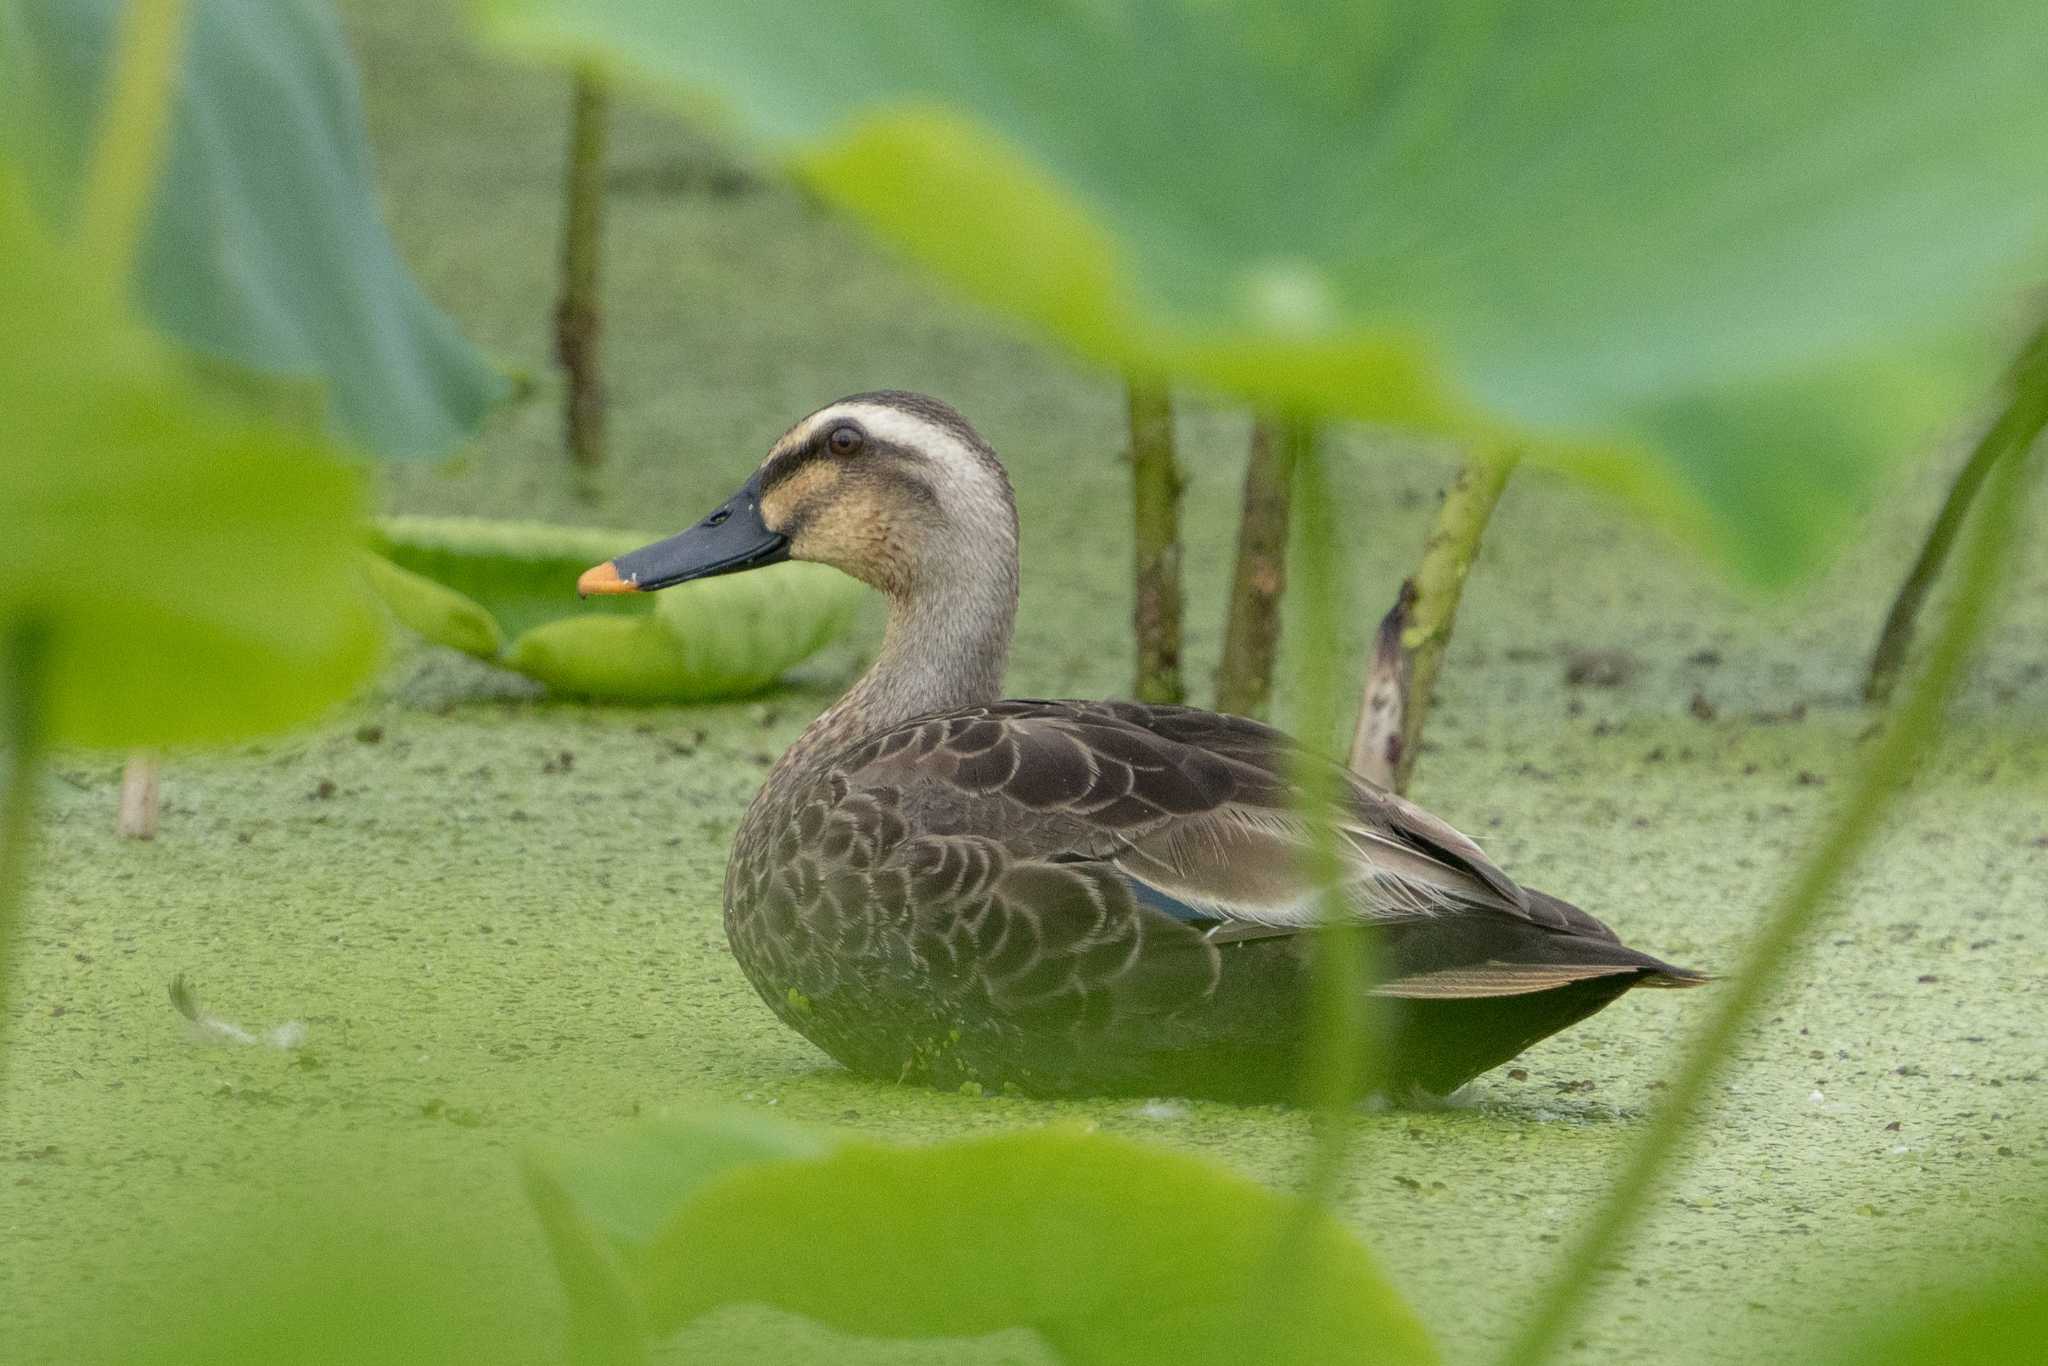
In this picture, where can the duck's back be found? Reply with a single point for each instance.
(1090, 897)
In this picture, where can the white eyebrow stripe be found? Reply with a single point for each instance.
(898, 428)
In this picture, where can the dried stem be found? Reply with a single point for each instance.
(1251, 631)
(137, 818)
(1155, 511)
(2008, 433)
(577, 323)
(24, 665)
(1403, 684)
(1379, 739)
(1905, 743)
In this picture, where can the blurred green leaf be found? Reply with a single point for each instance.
(324, 1278)
(1727, 257)
(198, 572)
(2002, 1323)
(606, 1326)
(473, 584)
(266, 247)
(1112, 1251)
(632, 1184)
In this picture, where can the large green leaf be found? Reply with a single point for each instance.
(1113, 1251)
(1730, 256)
(198, 572)
(266, 249)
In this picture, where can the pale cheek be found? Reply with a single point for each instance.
(869, 549)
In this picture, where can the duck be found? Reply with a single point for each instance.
(937, 884)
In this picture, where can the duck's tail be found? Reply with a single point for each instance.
(1573, 921)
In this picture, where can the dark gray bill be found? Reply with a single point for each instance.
(731, 539)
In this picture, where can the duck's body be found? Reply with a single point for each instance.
(1062, 897)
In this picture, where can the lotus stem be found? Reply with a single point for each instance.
(137, 817)
(24, 668)
(2008, 433)
(577, 313)
(125, 168)
(1335, 1063)
(1400, 682)
(1251, 632)
(1155, 509)
(1905, 743)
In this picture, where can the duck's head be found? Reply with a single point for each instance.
(893, 488)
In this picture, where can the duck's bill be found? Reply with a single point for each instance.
(731, 539)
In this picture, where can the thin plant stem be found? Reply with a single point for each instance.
(577, 313)
(1155, 517)
(1432, 598)
(122, 177)
(1251, 628)
(24, 662)
(1338, 1015)
(2013, 429)
(1910, 733)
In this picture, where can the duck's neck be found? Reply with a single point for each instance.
(944, 648)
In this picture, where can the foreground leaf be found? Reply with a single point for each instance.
(325, 1277)
(197, 572)
(267, 248)
(2001, 1323)
(1112, 1251)
(1727, 257)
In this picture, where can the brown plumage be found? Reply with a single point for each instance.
(1079, 897)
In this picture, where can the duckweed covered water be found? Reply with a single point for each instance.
(497, 917)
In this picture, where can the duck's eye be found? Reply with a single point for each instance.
(845, 440)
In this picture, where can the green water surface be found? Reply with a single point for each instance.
(497, 917)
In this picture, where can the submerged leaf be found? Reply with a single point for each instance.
(1727, 257)
(198, 572)
(1114, 1252)
(522, 573)
(266, 248)
(744, 630)
(626, 659)
(448, 578)
(434, 610)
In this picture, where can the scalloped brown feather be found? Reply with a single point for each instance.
(1067, 897)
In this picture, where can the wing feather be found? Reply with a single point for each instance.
(1201, 807)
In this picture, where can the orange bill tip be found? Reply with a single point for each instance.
(603, 578)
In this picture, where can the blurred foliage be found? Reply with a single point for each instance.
(476, 585)
(1728, 258)
(197, 571)
(2003, 1322)
(266, 248)
(1112, 1251)
(324, 1276)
